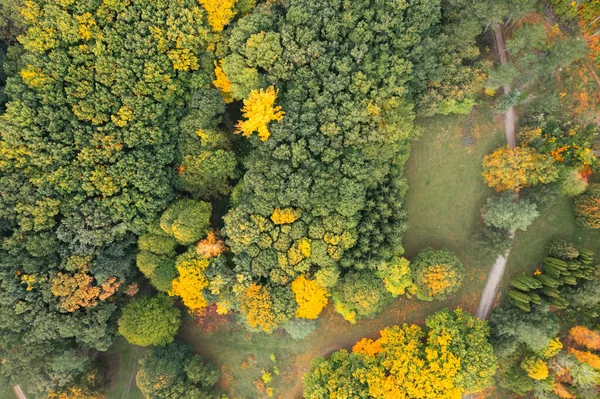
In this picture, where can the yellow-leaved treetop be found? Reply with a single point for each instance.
(310, 296)
(255, 304)
(222, 83)
(191, 282)
(220, 12)
(439, 278)
(259, 109)
(285, 216)
(403, 371)
(536, 368)
(509, 169)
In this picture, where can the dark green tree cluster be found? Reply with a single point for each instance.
(172, 371)
(527, 333)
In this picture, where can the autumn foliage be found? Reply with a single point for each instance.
(311, 297)
(210, 246)
(191, 282)
(79, 291)
(535, 368)
(220, 12)
(513, 169)
(255, 304)
(586, 337)
(259, 109)
(403, 364)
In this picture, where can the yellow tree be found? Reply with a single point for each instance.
(220, 12)
(191, 282)
(536, 368)
(255, 304)
(311, 297)
(513, 169)
(259, 109)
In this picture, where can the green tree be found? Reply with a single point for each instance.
(172, 371)
(208, 174)
(360, 294)
(187, 220)
(506, 211)
(150, 321)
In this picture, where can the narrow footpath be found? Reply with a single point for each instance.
(497, 270)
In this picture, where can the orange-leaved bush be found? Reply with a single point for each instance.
(210, 246)
(513, 169)
(310, 296)
(586, 357)
(259, 109)
(586, 337)
(78, 291)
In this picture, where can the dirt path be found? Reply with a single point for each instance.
(510, 118)
(19, 392)
(491, 286)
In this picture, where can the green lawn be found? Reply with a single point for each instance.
(122, 360)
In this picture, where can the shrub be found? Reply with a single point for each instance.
(437, 273)
(168, 371)
(543, 195)
(587, 208)
(514, 169)
(507, 212)
(397, 276)
(572, 183)
(299, 328)
(150, 321)
(560, 248)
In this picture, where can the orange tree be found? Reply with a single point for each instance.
(514, 169)
(402, 364)
(437, 273)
